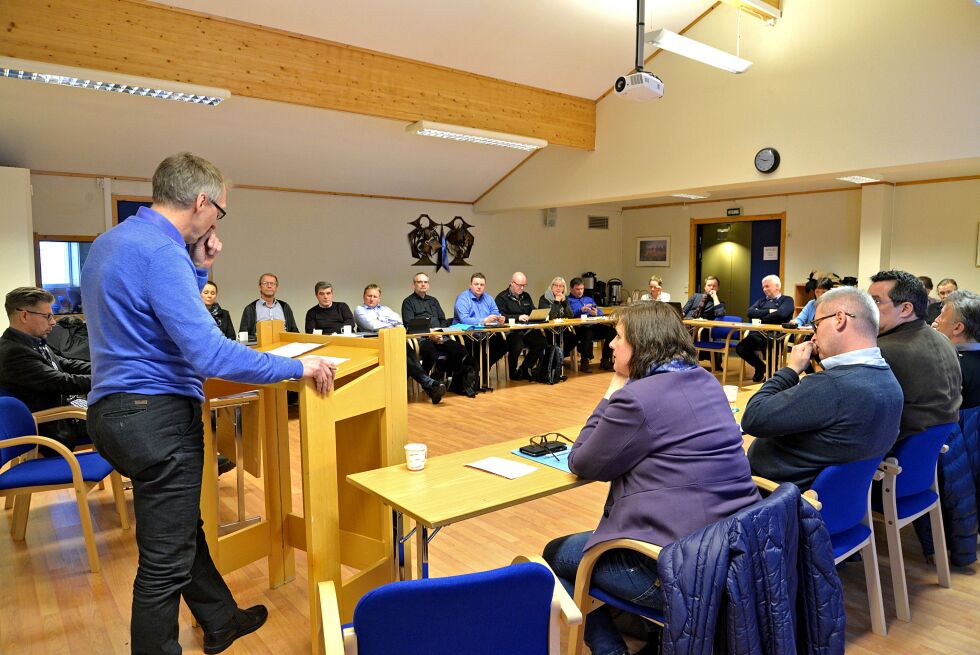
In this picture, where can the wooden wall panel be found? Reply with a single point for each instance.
(140, 38)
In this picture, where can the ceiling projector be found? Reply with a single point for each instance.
(639, 86)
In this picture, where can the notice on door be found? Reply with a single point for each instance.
(770, 253)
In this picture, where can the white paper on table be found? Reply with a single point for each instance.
(503, 467)
(336, 361)
(294, 349)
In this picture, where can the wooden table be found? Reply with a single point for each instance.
(776, 343)
(447, 491)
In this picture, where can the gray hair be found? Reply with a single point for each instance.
(24, 297)
(321, 285)
(180, 178)
(773, 278)
(966, 304)
(856, 301)
(559, 279)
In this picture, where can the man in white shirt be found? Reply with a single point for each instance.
(372, 316)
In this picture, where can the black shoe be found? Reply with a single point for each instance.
(224, 465)
(436, 392)
(759, 375)
(584, 366)
(606, 365)
(243, 623)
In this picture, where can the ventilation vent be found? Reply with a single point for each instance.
(598, 222)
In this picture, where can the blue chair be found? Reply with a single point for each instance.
(587, 596)
(27, 474)
(509, 611)
(910, 489)
(844, 491)
(720, 340)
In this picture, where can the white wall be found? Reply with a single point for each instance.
(17, 244)
(822, 232)
(836, 86)
(935, 231)
(355, 241)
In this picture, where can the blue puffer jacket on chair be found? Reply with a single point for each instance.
(761, 582)
(959, 491)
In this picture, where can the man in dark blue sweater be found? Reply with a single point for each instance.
(848, 412)
(772, 309)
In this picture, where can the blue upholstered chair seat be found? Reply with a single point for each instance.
(47, 471)
(709, 345)
(850, 538)
(625, 605)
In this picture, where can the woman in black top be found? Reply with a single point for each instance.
(222, 318)
(556, 298)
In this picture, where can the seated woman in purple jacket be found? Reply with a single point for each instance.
(665, 439)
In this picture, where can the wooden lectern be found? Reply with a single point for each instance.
(359, 426)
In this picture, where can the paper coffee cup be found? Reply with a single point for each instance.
(243, 337)
(756, 321)
(317, 331)
(415, 456)
(512, 321)
(347, 330)
(731, 392)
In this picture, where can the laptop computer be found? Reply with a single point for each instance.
(677, 307)
(418, 325)
(539, 315)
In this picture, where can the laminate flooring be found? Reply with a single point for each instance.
(50, 603)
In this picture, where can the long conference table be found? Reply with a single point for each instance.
(775, 343)
(448, 491)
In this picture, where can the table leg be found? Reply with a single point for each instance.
(398, 544)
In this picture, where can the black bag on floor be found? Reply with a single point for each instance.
(549, 367)
(465, 381)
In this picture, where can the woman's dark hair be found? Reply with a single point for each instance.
(908, 288)
(824, 283)
(211, 282)
(656, 334)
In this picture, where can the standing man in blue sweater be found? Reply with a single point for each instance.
(153, 343)
(848, 412)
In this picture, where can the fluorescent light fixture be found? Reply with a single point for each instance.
(691, 196)
(473, 135)
(858, 179)
(759, 8)
(681, 45)
(82, 78)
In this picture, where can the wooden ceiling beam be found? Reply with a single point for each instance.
(135, 37)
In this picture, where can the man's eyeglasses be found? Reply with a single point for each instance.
(47, 317)
(221, 210)
(815, 322)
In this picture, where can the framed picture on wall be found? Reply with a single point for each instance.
(653, 251)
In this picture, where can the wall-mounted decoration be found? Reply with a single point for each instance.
(653, 251)
(440, 244)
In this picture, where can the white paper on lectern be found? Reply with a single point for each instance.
(503, 467)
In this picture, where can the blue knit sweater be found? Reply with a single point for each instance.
(149, 332)
(844, 414)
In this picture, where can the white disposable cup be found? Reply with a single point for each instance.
(347, 330)
(731, 392)
(512, 321)
(317, 331)
(756, 321)
(415, 456)
(243, 337)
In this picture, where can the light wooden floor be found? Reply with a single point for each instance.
(51, 604)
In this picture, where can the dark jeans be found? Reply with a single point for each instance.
(747, 348)
(587, 334)
(158, 442)
(451, 351)
(517, 341)
(415, 370)
(623, 573)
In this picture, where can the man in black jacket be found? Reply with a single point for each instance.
(31, 372)
(421, 305)
(266, 307)
(772, 308)
(516, 304)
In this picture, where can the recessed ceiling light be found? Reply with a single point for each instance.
(474, 135)
(858, 179)
(691, 196)
(81, 78)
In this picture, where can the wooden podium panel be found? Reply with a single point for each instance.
(359, 426)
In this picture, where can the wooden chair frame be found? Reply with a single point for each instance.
(889, 470)
(22, 495)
